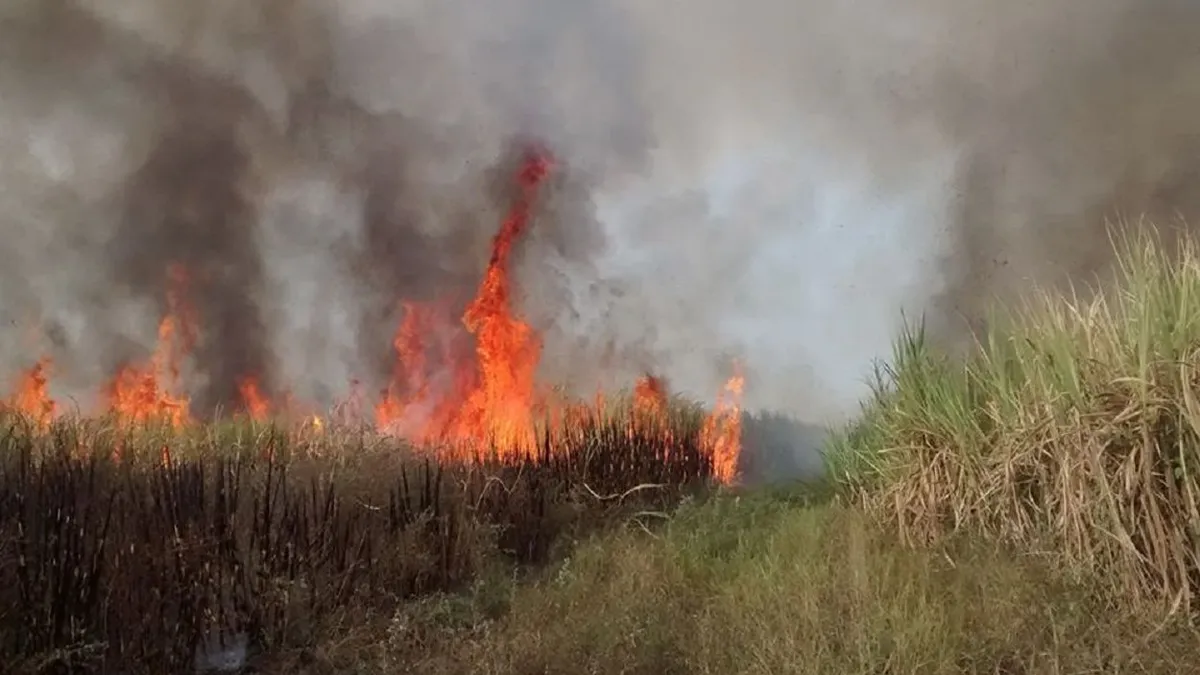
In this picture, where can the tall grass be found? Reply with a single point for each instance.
(1071, 431)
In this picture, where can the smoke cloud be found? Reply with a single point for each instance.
(771, 183)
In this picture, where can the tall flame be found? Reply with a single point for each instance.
(721, 434)
(493, 398)
(143, 392)
(500, 408)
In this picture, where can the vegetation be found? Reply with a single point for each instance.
(768, 584)
(1031, 508)
(1073, 431)
(130, 548)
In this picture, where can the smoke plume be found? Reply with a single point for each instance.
(769, 182)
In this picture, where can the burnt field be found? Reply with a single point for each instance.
(124, 549)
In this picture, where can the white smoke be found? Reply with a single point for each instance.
(770, 183)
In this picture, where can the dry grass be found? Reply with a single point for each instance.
(1072, 432)
(121, 549)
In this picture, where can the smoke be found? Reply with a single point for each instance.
(771, 183)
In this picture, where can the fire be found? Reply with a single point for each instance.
(500, 408)
(139, 393)
(649, 396)
(409, 380)
(31, 396)
(722, 431)
(439, 394)
(256, 404)
(495, 396)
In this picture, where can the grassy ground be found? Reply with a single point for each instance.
(767, 584)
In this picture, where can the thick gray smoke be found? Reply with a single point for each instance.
(769, 181)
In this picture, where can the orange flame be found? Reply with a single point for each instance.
(721, 434)
(493, 399)
(139, 393)
(434, 395)
(501, 407)
(409, 380)
(649, 396)
(258, 407)
(31, 396)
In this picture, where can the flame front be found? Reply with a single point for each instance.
(438, 394)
